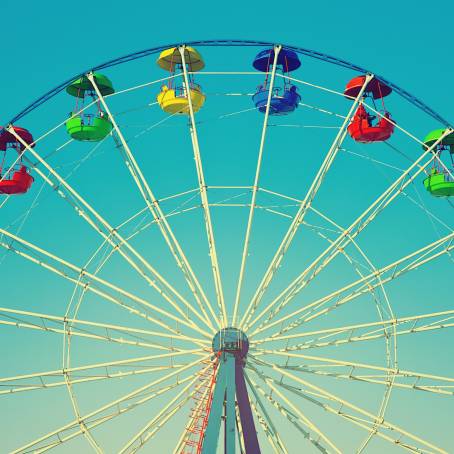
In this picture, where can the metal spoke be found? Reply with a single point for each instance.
(181, 440)
(383, 423)
(296, 413)
(204, 195)
(271, 429)
(87, 335)
(239, 429)
(109, 234)
(305, 205)
(288, 414)
(90, 378)
(380, 333)
(266, 377)
(104, 419)
(80, 273)
(80, 420)
(361, 422)
(92, 103)
(338, 93)
(383, 324)
(104, 367)
(351, 232)
(265, 428)
(142, 436)
(165, 420)
(417, 378)
(361, 286)
(106, 327)
(255, 186)
(159, 217)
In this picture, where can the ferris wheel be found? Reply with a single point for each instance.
(227, 246)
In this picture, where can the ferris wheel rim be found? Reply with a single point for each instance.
(232, 43)
(65, 330)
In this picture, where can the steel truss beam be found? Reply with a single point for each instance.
(84, 279)
(298, 415)
(371, 419)
(346, 237)
(304, 207)
(80, 421)
(145, 434)
(359, 287)
(107, 232)
(255, 186)
(102, 370)
(351, 371)
(159, 217)
(204, 195)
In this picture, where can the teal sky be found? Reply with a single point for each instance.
(48, 42)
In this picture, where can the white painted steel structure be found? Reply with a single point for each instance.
(164, 334)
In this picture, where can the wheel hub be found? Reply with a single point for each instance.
(231, 340)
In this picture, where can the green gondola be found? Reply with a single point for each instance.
(80, 87)
(439, 182)
(89, 127)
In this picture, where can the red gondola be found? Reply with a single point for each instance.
(361, 128)
(374, 89)
(19, 183)
(16, 179)
(365, 128)
(8, 140)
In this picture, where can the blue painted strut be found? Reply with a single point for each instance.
(226, 371)
(251, 443)
(230, 390)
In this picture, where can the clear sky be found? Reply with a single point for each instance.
(47, 42)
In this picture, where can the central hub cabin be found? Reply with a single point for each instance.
(231, 340)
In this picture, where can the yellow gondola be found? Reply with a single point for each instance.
(175, 94)
(175, 101)
(169, 58)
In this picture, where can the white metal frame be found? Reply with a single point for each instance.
(176, 342)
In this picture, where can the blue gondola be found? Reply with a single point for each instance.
(287, 59)
(281, 104)
(285, 98)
